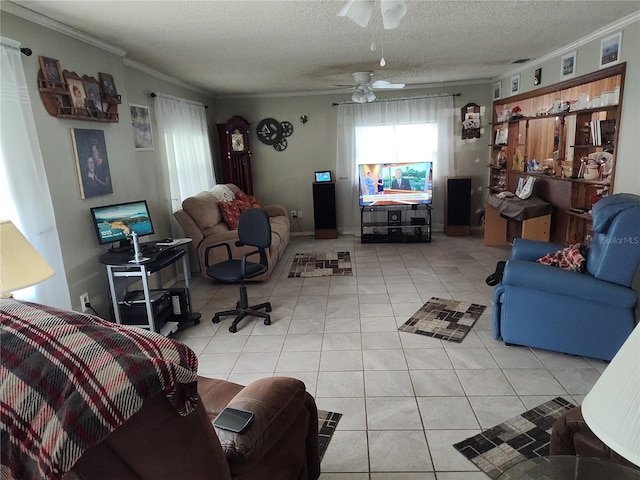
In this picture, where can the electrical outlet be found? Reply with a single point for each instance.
(299, 213)
(294, 214)
(84, 300)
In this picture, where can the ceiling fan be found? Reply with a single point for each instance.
(365, 87)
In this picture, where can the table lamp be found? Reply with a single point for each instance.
(21, 266)
(612, 407)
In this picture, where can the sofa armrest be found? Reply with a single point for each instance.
(276, 403)
(554, 280)
(532, 250)
(189, 227)
(276, 210)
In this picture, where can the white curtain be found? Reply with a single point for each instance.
(436, 109)
(187, 152)
(24, 192)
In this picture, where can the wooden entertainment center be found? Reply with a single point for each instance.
(559, 126)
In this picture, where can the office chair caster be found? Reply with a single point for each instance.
(216, 318)
(267, 321)
(233, 329)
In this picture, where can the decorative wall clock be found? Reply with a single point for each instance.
(274, 133)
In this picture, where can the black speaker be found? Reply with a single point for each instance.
(324, 210)
(457, 211)
(394, 217)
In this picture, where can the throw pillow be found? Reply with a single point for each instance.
(573, 258)
(231, 213)
(252, 201)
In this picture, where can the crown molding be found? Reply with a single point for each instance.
(39, 19)
(146, 69)
(611, 28)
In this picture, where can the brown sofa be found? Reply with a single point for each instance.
(158, 444)
(201, 220)
(572, 436)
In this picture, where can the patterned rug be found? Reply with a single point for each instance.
(321, 264)
(525, 436)
(327, 423)
(444, 319)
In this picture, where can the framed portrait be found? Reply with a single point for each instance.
(107, 84)
(497, 90)
(515, 84)
(51, 70)
(610, 50)
(568, 66)
(141, 123)
(76, 90)
(92, 162)
(537, 77)
(93, 100)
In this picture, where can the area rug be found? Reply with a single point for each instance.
(327, 423)
(444, 319)
(525, 436)
(318, 264)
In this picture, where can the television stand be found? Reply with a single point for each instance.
(395, 223)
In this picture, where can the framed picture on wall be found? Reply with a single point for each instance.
(610, 50)
(568, 66)
(107, 85)
(515, 84)
(51, 70)
(78, 95)
(141, 123)
(92, 163)
(497, 90)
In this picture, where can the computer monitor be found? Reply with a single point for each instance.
(115, 223)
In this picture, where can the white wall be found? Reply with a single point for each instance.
(286, 177)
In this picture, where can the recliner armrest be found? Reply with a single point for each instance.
(554, 280)
(532, 250)
(276, 403)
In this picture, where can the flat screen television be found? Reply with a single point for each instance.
(114, 223)
(396, 183)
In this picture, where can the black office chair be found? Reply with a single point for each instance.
(254, 230)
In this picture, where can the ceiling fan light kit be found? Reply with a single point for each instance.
(359, 12)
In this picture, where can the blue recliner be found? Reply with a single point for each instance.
(589, 313)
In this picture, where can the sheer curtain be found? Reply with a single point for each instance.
(24, 192)
(437, 110)
(187, 152)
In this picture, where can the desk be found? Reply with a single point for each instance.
(119, 266)
(565, 467)
(533, 213)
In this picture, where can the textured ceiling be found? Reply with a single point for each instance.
(243, 47)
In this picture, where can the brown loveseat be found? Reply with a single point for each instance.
(158, 444)
(202, 221)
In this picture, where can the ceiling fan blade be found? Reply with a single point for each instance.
(380, 84)
(358, 11)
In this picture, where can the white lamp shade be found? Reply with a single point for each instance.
(612, 407)
(358, 11)
(21, 266)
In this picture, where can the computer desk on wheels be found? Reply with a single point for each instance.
(119, 266)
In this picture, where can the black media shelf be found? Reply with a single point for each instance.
(395, 223)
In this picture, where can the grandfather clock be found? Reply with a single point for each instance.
(235, 153)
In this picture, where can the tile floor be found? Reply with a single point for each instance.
(405, 398)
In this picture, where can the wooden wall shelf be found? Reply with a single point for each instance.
(57, 101)
(564, 137)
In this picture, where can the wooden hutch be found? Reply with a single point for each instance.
(559, 126)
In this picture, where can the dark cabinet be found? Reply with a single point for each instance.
(324, 210)
(235, 153)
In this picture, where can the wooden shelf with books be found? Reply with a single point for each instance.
(571, 127)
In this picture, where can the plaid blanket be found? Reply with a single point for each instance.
(573, 258)
(68, 380)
